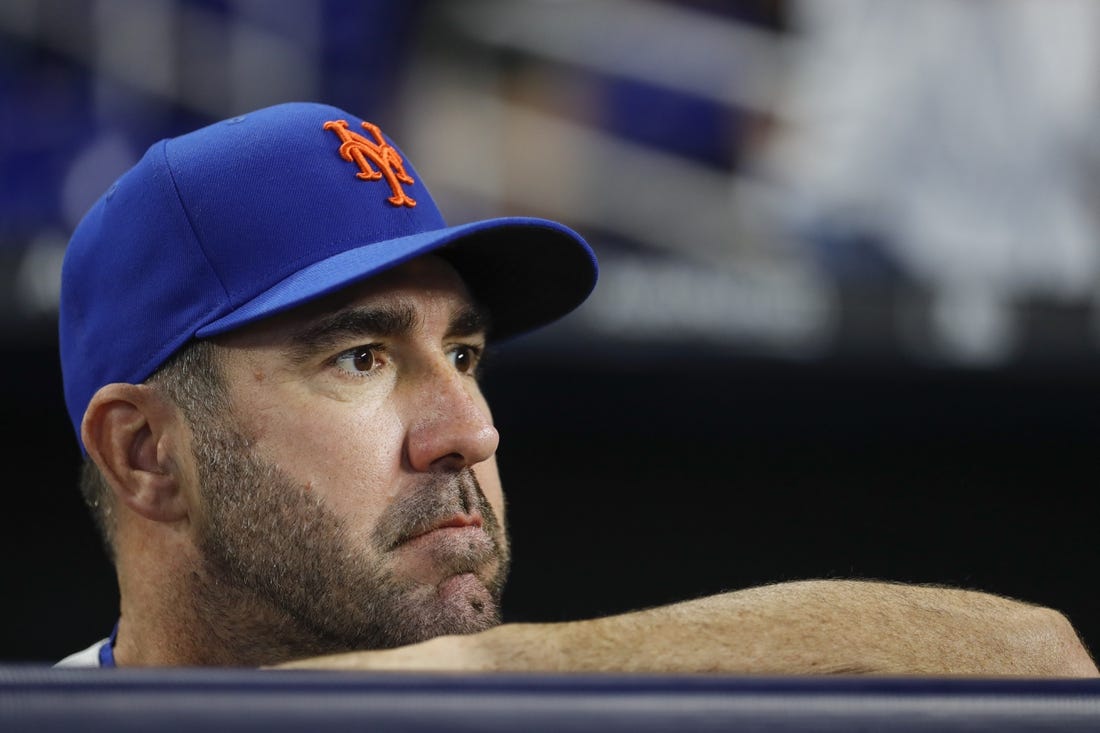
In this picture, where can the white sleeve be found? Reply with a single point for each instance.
(87, 658)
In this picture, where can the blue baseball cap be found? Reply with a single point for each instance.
(253, 215)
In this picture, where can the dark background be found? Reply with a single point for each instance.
(641, 467)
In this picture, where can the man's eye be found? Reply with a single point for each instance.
(360, 360)
(465, 358)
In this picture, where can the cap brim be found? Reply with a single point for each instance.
(526, 271)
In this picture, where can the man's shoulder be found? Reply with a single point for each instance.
(85, 658)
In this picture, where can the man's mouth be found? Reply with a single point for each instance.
(456, 544)
(460, 520)
(457, 522)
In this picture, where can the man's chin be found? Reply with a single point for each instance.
(465, 598)
(457, 604)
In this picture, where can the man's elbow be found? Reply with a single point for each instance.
(1052, 646)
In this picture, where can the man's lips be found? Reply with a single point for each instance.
(456, 521)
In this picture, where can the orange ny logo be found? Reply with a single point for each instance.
(357, 149)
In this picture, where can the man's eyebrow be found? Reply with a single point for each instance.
(334, 329)
(469, 321)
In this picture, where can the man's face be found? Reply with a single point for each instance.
(353, 493)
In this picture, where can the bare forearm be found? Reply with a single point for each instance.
(806, 627)
(846, 627)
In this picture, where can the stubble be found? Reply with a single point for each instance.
(283, 577)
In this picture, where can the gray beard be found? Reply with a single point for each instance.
(282, 577)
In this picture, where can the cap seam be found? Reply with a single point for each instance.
(152, 355)
(190, 221)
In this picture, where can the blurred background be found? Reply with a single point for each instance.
(846, 324)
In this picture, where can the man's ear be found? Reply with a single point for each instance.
(132, 432)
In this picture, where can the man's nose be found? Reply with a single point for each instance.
(450, 426)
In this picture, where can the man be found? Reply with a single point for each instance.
(270, 344)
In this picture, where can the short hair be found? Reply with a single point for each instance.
(193, 380)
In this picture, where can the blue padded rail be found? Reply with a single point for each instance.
(37, 698)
